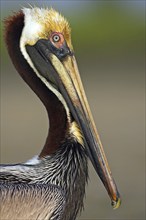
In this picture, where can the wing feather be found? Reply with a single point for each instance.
(31, 201)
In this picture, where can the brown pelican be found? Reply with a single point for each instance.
(52, 185)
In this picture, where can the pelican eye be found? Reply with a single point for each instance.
(56, 38)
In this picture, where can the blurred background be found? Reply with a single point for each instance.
(109, 44)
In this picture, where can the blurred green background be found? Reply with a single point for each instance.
(109, 43)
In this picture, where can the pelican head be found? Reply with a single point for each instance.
(45, 45)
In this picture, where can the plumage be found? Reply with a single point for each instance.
(21, 198)
(66, 169)
(51, 186)
(44, 22)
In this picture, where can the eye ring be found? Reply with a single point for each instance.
(56, 38)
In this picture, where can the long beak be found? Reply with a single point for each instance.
(73, 92)
(65, 76)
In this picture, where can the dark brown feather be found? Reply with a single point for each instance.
(57, 115)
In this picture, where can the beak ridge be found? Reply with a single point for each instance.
(63, 74)
(78, 105)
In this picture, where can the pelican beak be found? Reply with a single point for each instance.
(62, 72)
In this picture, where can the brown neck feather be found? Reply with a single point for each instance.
(57, 114)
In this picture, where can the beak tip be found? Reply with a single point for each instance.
(116, 204)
